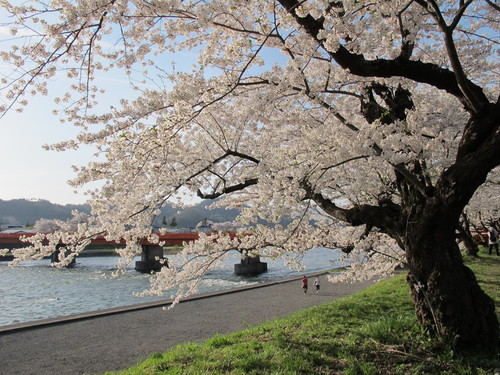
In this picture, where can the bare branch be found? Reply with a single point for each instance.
(229, 189)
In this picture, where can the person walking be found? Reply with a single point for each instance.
(492, 240)
(317, 284)
(304, 284)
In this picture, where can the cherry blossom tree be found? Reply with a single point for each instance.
(370, 123)
(483, 208)
(479, 215)
(53, 225)
(46, 226)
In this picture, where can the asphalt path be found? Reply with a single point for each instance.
(116, 339)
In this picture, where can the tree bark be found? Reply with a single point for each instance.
(448, 300)
(465, 235)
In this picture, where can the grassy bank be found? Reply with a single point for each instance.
(373, 332)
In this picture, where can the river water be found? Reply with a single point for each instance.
(35, 290)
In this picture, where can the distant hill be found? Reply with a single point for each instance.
(188, 217)
(24, 211)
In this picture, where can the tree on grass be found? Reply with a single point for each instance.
(372, 123)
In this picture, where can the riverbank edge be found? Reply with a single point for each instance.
(94, 253)
(17, 327)
(84, 254)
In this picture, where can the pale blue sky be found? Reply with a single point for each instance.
(27, 170)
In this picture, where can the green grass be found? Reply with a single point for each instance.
(370, 333)
(487, 271)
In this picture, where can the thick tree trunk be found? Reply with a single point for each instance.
(447, 297)
(465, 235)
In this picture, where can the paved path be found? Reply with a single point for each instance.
(121, 338)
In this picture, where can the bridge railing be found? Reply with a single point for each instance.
(170, 239)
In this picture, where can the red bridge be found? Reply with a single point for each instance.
(170, 239)
(151, 257)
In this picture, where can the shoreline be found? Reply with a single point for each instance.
(90, 253)
(117, 339)
(142, 306)
(84, 254)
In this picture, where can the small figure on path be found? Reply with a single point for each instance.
(317, 283)
(492, 240)
(304, 284)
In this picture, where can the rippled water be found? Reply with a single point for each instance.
(34, 290)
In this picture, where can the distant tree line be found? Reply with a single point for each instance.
(28, 212)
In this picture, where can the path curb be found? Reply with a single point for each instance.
(12, 328)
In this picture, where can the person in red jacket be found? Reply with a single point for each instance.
(304, 284)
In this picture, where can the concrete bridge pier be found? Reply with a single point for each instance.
(54, 258)
(151, 259)
(250, 266)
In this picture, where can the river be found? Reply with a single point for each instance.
(34, 290)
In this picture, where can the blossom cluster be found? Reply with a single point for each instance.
(267, 117)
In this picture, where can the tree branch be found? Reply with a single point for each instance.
(229, 189)
(384, 218)
(491, 3)
(474, 101)
(416, 71)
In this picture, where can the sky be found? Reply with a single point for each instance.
(27, 170)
